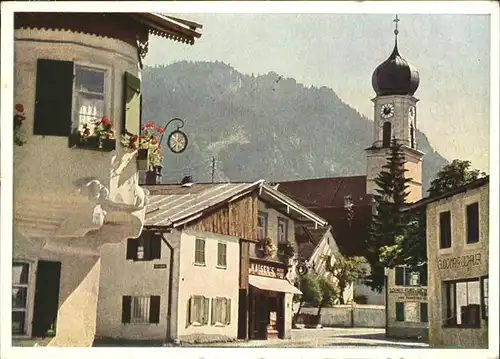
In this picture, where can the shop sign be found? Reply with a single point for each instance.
(465, 261)
(266, 270)
(409, 293)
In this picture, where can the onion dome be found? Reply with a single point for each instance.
(395, 76)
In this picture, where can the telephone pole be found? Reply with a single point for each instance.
(213, 168)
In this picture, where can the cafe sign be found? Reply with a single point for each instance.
(266, 270)
(409, 293)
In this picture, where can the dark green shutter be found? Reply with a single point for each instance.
(156, 246)
(473, 223)
(53, 98)
(126, 308)
(445, 229)
(423, 313)
(154, 309)
(132, 248)
(423, 276)
(147, 245)
(228, 311)
(400, 312)
(400, 275)
(132, 110)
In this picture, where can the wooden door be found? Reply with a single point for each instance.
(46, 298)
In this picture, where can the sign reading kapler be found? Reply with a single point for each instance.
(266, 270)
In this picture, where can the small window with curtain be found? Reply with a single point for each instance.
(445, 229)
(221, 255)
(199, 251)
(145, 248)
(473, 223)
(141, 309)
(262, 225)
(282, 230)
(221, 311)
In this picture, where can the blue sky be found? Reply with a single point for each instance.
(451, 52)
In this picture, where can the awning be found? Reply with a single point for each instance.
(273, 284)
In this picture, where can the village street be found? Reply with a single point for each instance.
(330, 337)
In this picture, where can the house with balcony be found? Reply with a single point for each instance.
(76, 91)
(210, 265)
(457, 237)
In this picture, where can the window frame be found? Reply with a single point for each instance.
(264, 215)
(219, 264)
(467, 231)
(450, 239)
(198, 250)
(26, 285)
(451, 310)
(284, 222)
(406, 283)
(223, 317)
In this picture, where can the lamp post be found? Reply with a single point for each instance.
(177, 142)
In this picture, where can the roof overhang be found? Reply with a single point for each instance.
(289, 206)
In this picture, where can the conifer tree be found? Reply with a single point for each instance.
(388, 222)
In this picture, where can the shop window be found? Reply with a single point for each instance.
(141, 309)
(199, 251)
(20, 272)
(424, 315)
(282, 230)
(198, 307)
(145, 248)
(400, 312)
(463, 303)
(221, 255)
(473, 223)
(445, 229)
(262, 225)
(484, 297)
(221, 311)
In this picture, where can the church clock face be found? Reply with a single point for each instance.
(387, 110)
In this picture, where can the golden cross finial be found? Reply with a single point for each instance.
(396, 20)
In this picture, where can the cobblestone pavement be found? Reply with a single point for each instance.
(330, 337)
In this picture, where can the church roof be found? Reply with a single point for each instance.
(326, 197)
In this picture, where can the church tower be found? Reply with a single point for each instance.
(395, 115)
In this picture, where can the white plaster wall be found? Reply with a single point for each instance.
(438, 334)
(78, 290)
(60, 166)
(209, 281)
(120, 277)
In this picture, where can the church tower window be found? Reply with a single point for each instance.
(386, 135)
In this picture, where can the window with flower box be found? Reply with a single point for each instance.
(262, 225)
(73, 100)
(282, 230)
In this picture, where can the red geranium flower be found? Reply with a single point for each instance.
(19, 108)
(159, 129)
(105, 121)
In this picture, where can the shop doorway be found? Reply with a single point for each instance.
(267, 319)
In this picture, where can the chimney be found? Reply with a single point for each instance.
(154, 176)
(187, 181)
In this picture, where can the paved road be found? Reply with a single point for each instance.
(332, 337)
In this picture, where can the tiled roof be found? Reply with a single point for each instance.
(326, 196)
(169, 205)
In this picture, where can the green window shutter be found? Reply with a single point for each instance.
(147, 245)
(228, 311)
(154, 309)
(132, 117)
(206, 308)
(53, 98)
(423, 313)
(473, 223)
(192, 314)
(131, 249)
(400, 274)
(400, 312)
(156, 246)
(126, 308)
(445, 229)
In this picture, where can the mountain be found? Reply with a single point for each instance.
(256, 127)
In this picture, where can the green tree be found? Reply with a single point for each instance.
(345, 269)
(453, 175)
(389, 222)
(329, 292)
(312, 292)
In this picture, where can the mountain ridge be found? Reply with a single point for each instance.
(265, 126)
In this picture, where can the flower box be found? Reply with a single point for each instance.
(93, 143)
